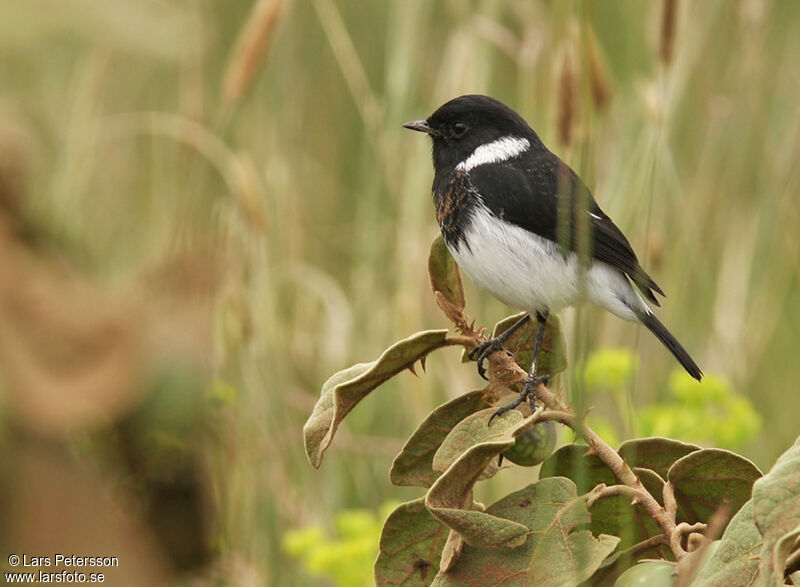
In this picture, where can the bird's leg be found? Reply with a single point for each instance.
(532, 382)
(483, 350)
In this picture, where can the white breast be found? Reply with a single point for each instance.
(531, 273)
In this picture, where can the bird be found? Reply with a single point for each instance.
(524, 227)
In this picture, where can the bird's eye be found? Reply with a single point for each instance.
(459, 129)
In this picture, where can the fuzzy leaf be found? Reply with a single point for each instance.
(451, 551)
(343, 390)
(467, 433)
(735, 561)
(787, 545)
(450, 496)
(444, 274)
(776, 508)
(707, 479)
(613, 515)
(413, 466)
(655, 453)
(557, 551)
(586, 470)
(411, 545)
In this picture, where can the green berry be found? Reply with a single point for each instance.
(648, 574)
(534, 445)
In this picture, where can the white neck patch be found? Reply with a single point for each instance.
(495, 152)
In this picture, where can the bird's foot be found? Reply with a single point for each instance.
(481, 352)
(528, 393)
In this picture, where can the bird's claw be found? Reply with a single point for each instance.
(528, 392)
(481, 352)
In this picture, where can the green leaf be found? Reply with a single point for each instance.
(444, 274)
(572, 461)
(450, 496)
(735, 561)
(557, 551)
(612, 515)
(776, 507)
(553, 354)
(652, 481)
(787, 545)
(469, 432)
(655, 453)
(588, 471)
(411, 545)
(707, 479)
(343, 390)
(414, 464)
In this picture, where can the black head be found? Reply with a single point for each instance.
(467, 122)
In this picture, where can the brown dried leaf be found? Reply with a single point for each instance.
(444, 274)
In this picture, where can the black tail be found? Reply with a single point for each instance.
(669, 341)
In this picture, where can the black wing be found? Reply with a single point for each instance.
(530, 194)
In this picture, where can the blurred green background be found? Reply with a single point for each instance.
(224, 191)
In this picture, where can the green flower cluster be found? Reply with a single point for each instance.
(708, 412)
(346, 558)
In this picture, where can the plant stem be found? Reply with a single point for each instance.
(644, 545)
(504, 368)
(603, 491)
(504, 372)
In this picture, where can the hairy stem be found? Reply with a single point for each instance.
(504, 368)
(644, 545)
(603, 491)
(505, 372)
